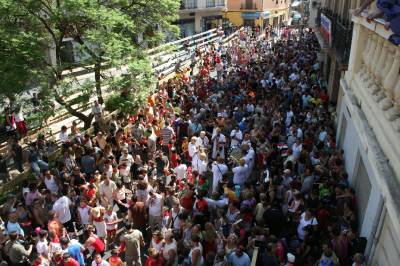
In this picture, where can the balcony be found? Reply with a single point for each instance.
(341, 31)
(202, 5)
(248, 6)
(342, 35)
(373, 79)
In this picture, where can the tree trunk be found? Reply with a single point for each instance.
(86, 119)
(97, 77)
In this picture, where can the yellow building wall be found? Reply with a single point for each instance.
(235, 17)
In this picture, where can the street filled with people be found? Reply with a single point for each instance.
(233, 159)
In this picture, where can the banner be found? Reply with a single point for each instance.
(326, 28)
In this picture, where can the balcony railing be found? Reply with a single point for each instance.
(375, 72)
(188, 4)
(341, 31)
(342, 36)
(202, 4)
(248, 6)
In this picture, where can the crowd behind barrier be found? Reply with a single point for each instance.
(234, 156)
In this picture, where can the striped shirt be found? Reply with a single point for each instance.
(167, 133)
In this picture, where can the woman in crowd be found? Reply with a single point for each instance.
(265, 119)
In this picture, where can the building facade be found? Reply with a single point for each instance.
(258, 12)
(196, 16)
(368, 111)
(331, 19)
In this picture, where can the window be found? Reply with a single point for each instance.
(191, 4)
(220, 2)
(250, 4)
(363, 189)
(210, 3)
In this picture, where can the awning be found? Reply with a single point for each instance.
(265, 14)
(296, 4)
(250, 15)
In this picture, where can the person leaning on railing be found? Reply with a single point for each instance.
(389, 10)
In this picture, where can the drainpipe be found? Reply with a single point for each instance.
(376, 231)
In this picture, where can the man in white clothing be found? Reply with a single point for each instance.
(202, 141)
(155, 205)
(240, 172)
(218, 139)
(218, 170)
(236, 137)
(62, 209)
(192, 148)
(249, 158)
(180, 170)
(106, 189)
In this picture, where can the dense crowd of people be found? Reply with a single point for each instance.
(238, 157)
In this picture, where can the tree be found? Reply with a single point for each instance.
(106, 30)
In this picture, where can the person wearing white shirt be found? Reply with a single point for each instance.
(98, 261)
(106, 189)
(250, 108)
(247, 139)
(296, 149)
(192, 149)
(236, 137)
(249, 158)
(126, 158)
(62, 209)
(42, 246)
(202, 141)
(50, 182)
(199, 162)
(63, 135)
(323, 135)
(219, 141)
(218, 170)
(240, 172)
(180, 170)
(155, 205)
(289, 116)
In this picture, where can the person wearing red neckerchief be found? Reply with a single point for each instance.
(154, 258)
(115, 260)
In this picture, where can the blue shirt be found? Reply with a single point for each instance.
(75, 251)
(243, 260)
(14, 227)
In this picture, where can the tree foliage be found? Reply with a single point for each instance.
(107, 30)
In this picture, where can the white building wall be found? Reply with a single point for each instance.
(355, 149)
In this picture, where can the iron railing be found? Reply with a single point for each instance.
(188, 4)
(248, 6)
(342, 32)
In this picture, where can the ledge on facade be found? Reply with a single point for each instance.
(376, 25)
(375, 80)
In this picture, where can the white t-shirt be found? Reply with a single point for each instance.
(63, 137)
(218, 171)
(192, 149)
(108, 191)
(61, 208)
(180, 171)
(109, 218)
(42, 247)
(202, 142)
(239, 174)
(296, 148)
(102, 263)
(155, 205)
(303, 223)
(51, 184)
(84, 213)
(237, 137)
